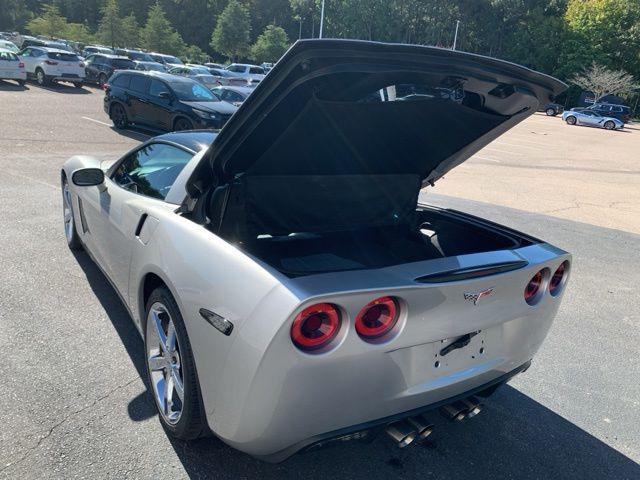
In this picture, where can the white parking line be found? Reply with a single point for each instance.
(109, 125)
(97, 121)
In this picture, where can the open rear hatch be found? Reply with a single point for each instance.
(336, 142)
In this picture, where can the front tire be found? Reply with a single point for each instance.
(609, 125)
(551, 112)
(171, 368)
(21, 82)
(70, 231)
(571, 120)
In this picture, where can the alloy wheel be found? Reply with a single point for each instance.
(183, 124)
(40, 77)
(609, 125)
(163, 361)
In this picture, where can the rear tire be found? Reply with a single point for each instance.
(70, 231)
(609, 125)
(551, 112)
(41, 78)
(189, 423)
(571, 120)
(182, 124)
(21, 82)
(118, 116)
(77, 84)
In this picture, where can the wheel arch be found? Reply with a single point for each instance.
(149, 281)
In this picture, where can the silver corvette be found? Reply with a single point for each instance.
(289, 289)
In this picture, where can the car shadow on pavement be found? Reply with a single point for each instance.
(134, 133)
(65, 88)
(8, 86)
(514, 437)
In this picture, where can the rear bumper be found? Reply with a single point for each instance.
(67, 77)
(320, 440)
(13, 76)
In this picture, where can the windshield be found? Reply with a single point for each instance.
(190, 91)
(59, 46)
(158, 67)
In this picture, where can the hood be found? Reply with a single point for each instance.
(338, 112)
(217, 107)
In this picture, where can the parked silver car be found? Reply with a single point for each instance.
(289, 288)
(253, 73)
(592, 119)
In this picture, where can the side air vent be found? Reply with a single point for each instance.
(472, 272)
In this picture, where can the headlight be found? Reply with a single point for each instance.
(203, 114)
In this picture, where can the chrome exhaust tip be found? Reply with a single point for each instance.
(422, 426)
(456, 411)
(402, 433)
(473, 406)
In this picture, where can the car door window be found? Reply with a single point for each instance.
(233, 96)
(121, 80)
(26, 52)
(151, 170)
(256, 71)
(139, 84)
(157, 88)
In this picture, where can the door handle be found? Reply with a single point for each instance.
(142, 100)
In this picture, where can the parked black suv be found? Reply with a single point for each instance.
(621, 112)
(163, 101)
(99, 67)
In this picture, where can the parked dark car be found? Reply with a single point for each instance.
(98, 68)
(621, 112)
(551, 109)
(163, 101)
(135, 55)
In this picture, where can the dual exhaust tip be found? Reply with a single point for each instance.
(404, 432)
(458, 411)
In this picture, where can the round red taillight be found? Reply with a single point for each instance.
(555, 284)
(315, 326)
(377, 318)
(532, 288)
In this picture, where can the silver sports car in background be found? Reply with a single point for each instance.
(592, 119)
(289, 288)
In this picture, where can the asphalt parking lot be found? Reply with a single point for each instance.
(74, 403)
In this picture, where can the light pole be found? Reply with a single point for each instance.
(321, 19)
(455, 37)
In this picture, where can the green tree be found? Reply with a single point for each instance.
(270, 45)
(50, 23)
(231, 35)
(110, 25)
(194, 54)
(159, 35)
(129, 31)
(603, 31)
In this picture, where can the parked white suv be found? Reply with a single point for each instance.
(50, 64)
(11, 67)
(253, 73)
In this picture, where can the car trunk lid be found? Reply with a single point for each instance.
(338, 124)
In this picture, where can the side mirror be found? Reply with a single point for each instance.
(87, 177)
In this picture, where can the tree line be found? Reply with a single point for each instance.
(558, 37)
